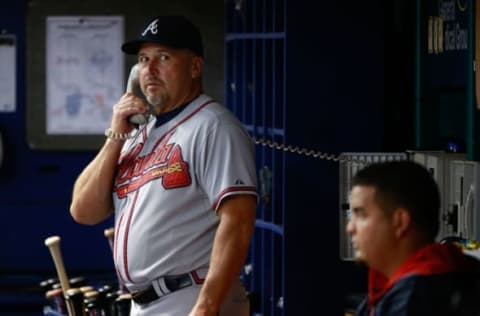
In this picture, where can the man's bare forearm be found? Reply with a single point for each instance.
(92, 192)
(230, 249)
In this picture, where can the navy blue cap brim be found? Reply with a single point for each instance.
(132, 47)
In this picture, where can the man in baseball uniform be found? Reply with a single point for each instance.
(182, 186)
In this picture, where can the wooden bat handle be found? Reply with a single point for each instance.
(53, 243)
(109, 232)
(75, 302)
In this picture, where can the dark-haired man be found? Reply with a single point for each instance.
(393, 225)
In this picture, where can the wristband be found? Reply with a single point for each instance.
(115, 135)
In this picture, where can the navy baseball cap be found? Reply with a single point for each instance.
(170, 30)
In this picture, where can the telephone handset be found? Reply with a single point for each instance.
(133, 86)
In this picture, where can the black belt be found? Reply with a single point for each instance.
(172, 284)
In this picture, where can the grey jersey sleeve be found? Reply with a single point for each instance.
(228, 161)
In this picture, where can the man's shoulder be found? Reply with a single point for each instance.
(454, 293)
(455, 280)
(207, 109)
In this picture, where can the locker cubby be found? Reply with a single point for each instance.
(255, 91)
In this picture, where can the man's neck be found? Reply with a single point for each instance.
(402, 252)
(181, 101)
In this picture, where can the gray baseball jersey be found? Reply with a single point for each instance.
(170, 182)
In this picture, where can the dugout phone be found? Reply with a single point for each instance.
(133, 86)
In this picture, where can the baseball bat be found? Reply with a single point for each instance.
(101, 300)
(77, 281)
(86, 288)
(91, 303)
(110, 234)
(53, 243)
(47, 285)
(110, 308)
(57, 299)
(122, 304)
(75, 302)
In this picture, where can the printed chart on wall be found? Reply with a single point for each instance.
(8, 76)
(85, 72)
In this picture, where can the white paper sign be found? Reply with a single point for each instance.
(8, 77)
(85, 72)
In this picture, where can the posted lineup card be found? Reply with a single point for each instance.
(84, 72)
(8, 77)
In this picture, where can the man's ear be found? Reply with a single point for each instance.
(402, 221)
(197, 67)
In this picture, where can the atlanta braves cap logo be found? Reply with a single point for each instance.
(170, 30)
(152, 27)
